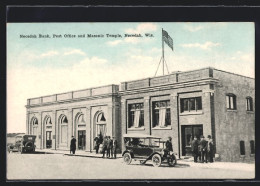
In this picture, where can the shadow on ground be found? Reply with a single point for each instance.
(165, 165)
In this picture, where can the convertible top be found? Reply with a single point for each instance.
(136, 135)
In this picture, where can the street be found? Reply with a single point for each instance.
(59, 166)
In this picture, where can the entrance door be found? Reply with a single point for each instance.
(81, 139)
(48, 140)
(188, 133)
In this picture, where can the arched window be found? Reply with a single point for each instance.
(48, 121)
(63, 129)
(249, 103)
(81, 119)
(34, 124)
(34, 121)
(231, 101)
(101, 124)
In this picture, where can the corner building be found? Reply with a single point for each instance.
(181, 105)
(194, 103)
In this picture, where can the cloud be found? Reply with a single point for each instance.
(49, 54)
(193, 28)
(114, 43)
(142, 28)
(75, 51)
(205, 46)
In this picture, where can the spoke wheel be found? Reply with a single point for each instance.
(156, 160)
(172, 161)
(127, 158)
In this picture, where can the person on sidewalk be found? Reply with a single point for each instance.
(168, 146)
(204, 150)
(104, 147)
(195, 149)
(210, 149)
(109, 146)
(114, 147)
(97, 143)
(73, 145)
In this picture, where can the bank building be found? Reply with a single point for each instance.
(182, 105)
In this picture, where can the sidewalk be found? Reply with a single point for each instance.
(80, 153)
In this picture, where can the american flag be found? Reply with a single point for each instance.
(168, 40)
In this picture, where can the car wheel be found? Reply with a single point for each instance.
(127, 158)
(172, 161)
(156, 160)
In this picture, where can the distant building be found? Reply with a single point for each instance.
(181, 105)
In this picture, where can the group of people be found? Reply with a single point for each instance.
(203, 149)
(109, 146)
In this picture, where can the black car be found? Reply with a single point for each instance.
(145, 147)
(23, 143)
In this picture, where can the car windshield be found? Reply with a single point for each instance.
(18, 138)
(143, 142)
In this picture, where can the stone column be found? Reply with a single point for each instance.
(123, 121)
(147, 115)
(54, 124)
(88, 128)
(41, 133)
(70, 127)
(27, 123)
(176, 133)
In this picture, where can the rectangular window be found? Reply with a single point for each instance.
(242, 148)
(161, 113)
(136, 115)
(249, 104)
(231, 102)
(191, 104)
(252, 146)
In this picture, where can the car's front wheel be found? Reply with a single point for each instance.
(172, 161)
(156, 160)
(127, 158)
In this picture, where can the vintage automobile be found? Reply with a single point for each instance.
(23, 143)
(145, 147)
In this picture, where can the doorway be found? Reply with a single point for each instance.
(48, 140)
(81, 139)
(188, 132)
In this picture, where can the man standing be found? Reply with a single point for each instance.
(73, 145)
(109, 146)
(97, 143)
(114, 147)
(104, 148)
(195, 149)
(168, 145)
(204, 150)
(210, 149)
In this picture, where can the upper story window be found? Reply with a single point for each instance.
(249, 104)
(231, 101)
(191, 104)
(136, 115)
(161, 113)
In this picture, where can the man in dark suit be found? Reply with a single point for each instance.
(204, 150)
(195, 149)
(168, 146)
(73, 145)
(104, 148)
(109, 146)
(211, 152)
(114, 147)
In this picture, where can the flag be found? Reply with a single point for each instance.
(168, 40)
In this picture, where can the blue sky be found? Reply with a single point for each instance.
(38, 67)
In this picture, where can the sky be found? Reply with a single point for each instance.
(44, 66)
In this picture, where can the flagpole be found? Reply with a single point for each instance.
(162, 51)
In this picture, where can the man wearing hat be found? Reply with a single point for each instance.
(168, 145)
(195, 149)
(73, 145)
(210, 149)
(114, 147)
(204, 149)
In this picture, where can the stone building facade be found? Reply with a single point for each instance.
(181, 105)
(194, 103)
(83, 114)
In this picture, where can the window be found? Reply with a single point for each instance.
(161, 114)
(136, 115)
(242, 148)
(231, 102)
(252, 146)
(191, 104)
(249, 104)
